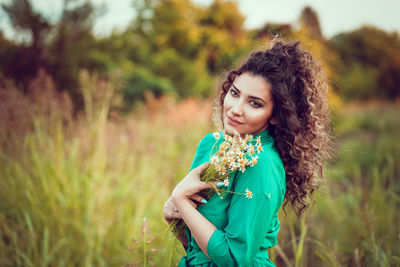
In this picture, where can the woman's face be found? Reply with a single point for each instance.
(248, 105)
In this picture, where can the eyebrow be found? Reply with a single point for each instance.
(252, 97)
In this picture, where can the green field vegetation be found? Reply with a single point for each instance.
(88, 158)
(90, 190)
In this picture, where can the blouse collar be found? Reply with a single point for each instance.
(265, 136)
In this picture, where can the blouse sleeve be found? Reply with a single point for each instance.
(203, 150)
(248, 217)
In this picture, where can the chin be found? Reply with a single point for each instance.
(231, 130)
(228, 129)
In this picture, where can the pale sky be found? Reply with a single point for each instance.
(335, 15)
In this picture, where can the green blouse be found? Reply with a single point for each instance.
(246, 227)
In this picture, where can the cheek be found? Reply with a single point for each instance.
(227, 102)
(259, 117)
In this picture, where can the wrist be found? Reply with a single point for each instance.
(177, 196)
(178, 200)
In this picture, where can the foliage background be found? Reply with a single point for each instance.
(96, 131)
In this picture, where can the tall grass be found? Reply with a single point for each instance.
(75, 191)
(356, 218)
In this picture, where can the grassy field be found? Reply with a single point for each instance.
(89, 191)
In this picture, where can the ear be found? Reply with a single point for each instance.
(272, 121)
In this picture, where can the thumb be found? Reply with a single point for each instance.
(199, 169)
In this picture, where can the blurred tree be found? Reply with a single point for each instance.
(168, 24)
(311, 37)
(389, 77)
(7, 48)
(171, 46)
(163, 51)
(358, 82)
(309, 19)
(60, 48)
(72, 46)
(373, 49)
(139, 81)
(25, 19)
(183, 43)
(270, 30)
(25, 60)
(224, 38)
(175, 25)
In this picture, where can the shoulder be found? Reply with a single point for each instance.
(204, 149)
(268, 174)
(208, 141)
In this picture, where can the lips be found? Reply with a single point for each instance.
(232, 121)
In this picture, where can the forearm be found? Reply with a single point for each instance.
(199, 226)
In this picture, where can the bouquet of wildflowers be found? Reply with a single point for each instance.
(234, 154)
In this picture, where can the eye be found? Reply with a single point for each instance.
(255, 104)
(233, 92)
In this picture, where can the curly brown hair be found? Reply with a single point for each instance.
(302, 131)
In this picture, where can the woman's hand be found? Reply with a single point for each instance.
(187, 188)
(182, 196)
(170, 211)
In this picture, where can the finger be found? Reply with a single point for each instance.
(168, 206)
(221, 183)
(169, 214)
(170, 210)
(194, 204)
(174, 215)
(198, 199)
(168, 203)
(204, 185)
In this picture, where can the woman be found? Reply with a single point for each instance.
(277, 95)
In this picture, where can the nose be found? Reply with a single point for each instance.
(237, 108)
